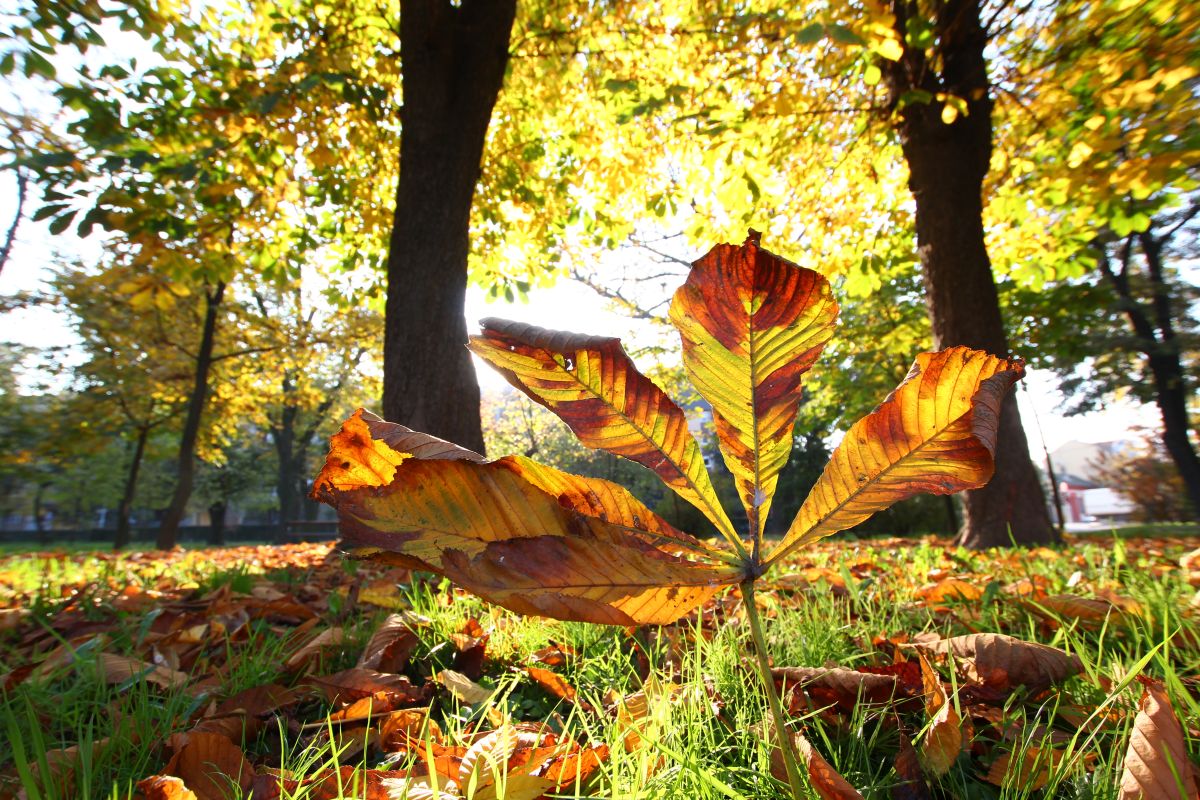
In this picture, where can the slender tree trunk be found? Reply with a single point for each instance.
(39, 524)
(168, 531)
(947, 164)
(454, 57)
(1171, 397)
(22, 191)
(216, 523)
(1155, 332)
(122, 537)
(286, 478)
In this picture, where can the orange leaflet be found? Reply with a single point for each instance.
(752, 324)
(935, 433)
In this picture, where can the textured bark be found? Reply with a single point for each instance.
(454, 57)
(122, 537)
(947, 164)
(168, 530)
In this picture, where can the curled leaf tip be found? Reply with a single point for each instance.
(355, 459)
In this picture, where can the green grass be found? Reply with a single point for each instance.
(703, 736)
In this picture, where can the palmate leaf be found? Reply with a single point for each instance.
(544, 542)
(594, 387)
(514, 532)
(935, 433)
(752, 324)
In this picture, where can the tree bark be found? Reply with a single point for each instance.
(168, 531)
(454, 58)
(122, 537)
(947, 164)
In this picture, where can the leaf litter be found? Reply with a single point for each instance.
(369, 684)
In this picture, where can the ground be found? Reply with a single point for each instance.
(291, 672)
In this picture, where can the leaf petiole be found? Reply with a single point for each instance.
(764, 670)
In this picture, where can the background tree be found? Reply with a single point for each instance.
(1145, 475)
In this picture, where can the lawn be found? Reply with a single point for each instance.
(290, 672)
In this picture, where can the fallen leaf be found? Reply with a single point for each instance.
(1156, 763)
(165, 787)
(911, 783)
(1029, 768)
(943, 739)
(1002, 662)
(827, 782)
(948, 589)
(330, 639)
(210, 765)
(553, 683)
(466, 690)
(845, 688)
(390, 646)
(356, 683)
(119, 669)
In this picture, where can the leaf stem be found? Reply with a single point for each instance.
(764, 669)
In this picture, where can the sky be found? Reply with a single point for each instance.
(568, 305)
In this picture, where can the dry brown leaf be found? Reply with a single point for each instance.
(1091, 612)
(328, 639)
(165, 787)
(911, 784)
(390, 646)
(943, 739)
(949, 589)
(355, 683)
(553, 683)
(836, 685)
(1029, 769)
(466, 690)
(826, 781)
(118, 669)
(211, 765)
(1001, 662)
(1156, 765)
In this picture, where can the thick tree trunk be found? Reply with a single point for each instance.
(122, 537)
(168, 531)
(947, 164)
(454, 56)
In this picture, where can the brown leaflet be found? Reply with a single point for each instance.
(593, 386)
(495, 530)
